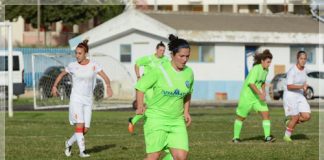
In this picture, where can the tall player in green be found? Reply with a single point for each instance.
(167, 112)
(253, 96)
(149, 63)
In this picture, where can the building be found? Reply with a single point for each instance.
(221, 43)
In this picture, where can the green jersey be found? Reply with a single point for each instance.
(257, 76)
(169, 90)
(150, 62)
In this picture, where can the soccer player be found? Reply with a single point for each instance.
(149, 63)
(295, 104)
(83, 73)
(167, 112)
(253, 96)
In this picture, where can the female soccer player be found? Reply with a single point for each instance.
(295, 104)
(167, 112)
(83, 73)
(149, 63)
(253, 96)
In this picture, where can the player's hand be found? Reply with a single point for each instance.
(140, 110)
(262, 96)
(187, 118)
(109, 92)
(54, 91)
(305, 86)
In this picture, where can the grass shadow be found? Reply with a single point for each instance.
(299, 137)
(253, 138)
(96, 149)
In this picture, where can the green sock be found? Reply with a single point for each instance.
(237, 128)
(266, 127)
(136, 118)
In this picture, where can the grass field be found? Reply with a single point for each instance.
(41, 135)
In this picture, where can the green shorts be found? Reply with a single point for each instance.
(164, 134)
(246, 105)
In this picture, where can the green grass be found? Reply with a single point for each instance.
(41, 136)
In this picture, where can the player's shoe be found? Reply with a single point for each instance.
(287, 139)
(131, 127)
(68, 149)
(269, 139)
(84, 155)
(236, 140)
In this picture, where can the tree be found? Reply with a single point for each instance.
(68, 14)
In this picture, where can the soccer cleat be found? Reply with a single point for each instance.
(236, 140)
(269, 139)
(287, 139)
(131, 127)
(68, 149)
(84, 155)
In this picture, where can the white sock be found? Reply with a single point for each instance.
(72, 140)
(80, 140)
(288, 132)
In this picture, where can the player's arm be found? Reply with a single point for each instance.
(186, 109)
(137, 71)
(104, 76)
(140, 102)
(256, 91)
(290, 82)
(57, 80)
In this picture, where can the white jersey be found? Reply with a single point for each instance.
(295, 77)
(83, 80)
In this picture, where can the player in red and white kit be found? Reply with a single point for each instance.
(84, 72)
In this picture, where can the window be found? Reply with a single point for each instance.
(4, 63)
(313, 74)
(310, 50)
(202, 53)
(125, 53)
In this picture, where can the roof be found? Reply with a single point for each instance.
(237, 22)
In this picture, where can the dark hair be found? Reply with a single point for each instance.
(161, 44)
(84, 45)
(258, 57)
(299, 53)
(176, 44)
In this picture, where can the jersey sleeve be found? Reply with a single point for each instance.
(191, 89)
(253, 75)
(69, 68)
(290, 77)
(143, 61)
(97, 67)
(147, 81)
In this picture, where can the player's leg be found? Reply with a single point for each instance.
(153, 156)
(177, 141)
(290, 127)
(179, 154)
(266, 125)
(304, 109)
(155, 138)
(73, 118)
(292, 116)
(242, 112)
(262, 107)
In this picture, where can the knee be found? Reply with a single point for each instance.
(152, 156)
(182, 156)
(306, 117)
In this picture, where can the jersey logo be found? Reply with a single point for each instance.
(187, 83)
(175, 93)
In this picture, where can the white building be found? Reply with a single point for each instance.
(220, 43)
